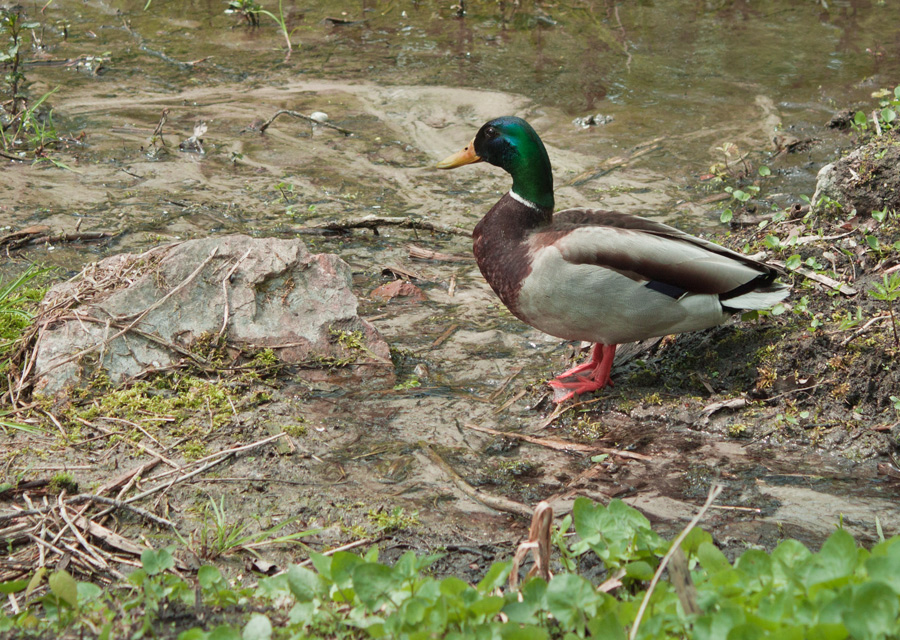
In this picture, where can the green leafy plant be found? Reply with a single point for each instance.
(888, 291)
(13, 25)
(841, 591)
(882, 118)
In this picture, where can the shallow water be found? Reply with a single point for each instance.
(693, 76)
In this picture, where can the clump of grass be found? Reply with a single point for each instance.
(216, 536)
(18, 300)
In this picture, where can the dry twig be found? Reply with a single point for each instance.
(294, 114)
(714, 492)
(561, 445)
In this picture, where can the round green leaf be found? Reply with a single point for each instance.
(639, 570)
(303, 583)
(873, 612)
(711, 558)
(64, 587)
(208, 577)
(258, 628)
(156, 561)
(372, 583)
(571, 598)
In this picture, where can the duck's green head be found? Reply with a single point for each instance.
(511, 144)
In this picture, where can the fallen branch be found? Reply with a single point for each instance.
(121, 504)
(561, 445)
(494, 502)
(373, 222)
(77, 532)
(611, 164)
(295, 114)
(213, 457)
(39, 234)
(126, 504)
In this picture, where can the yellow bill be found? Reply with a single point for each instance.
(458, 159)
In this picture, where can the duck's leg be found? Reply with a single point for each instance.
(599, 365)
(590, 365)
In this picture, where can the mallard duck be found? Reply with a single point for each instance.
(598, 276)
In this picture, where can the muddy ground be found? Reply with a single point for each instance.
(795, 420)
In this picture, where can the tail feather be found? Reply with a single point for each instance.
(762, 298)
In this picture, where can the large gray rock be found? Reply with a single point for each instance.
(279, 295)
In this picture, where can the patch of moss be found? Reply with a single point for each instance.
(167, 399)
(738, 430)
(411, 382)
(396, 520)
(518, 468)
(62, 481)
(211, 347)
(295, 430)
(193, 450)
(588, 430)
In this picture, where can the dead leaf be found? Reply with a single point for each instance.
(398, 289)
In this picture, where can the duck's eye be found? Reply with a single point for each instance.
(491, 133)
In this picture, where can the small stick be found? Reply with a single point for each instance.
(57, 423)
(561, 445)
(512, 374)
(225, 282)
(725, 507)
(120, 504)
(245, 447)
(296, 114)
(441, 338)
(864, 329)
(421, 253)
(77, 532)
(126, 503)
